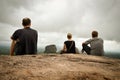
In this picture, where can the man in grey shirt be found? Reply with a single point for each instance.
(96, 45)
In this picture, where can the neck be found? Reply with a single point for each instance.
(26, 26)
(94, 37)
(69, 39)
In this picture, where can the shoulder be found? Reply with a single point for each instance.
(101, 39)
(69, 41)
(18, 31)
(16, 34)
(73, 40)
(98, 39)
(33, 30)
(65, 41)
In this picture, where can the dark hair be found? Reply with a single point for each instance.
(69, 35)
(94, 34)
(26, 21)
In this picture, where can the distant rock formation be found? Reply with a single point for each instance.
(50, 49)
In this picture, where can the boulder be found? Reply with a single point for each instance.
(50, 49)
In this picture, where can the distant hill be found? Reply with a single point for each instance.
(113, 55)
(4, 49)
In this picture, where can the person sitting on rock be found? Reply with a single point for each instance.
(69, 45)
(96, 45)
(24, 41)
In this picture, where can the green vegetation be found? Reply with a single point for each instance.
(4, 50)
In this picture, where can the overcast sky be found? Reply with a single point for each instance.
(57, 17)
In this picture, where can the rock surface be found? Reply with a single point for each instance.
(50, 49)
(59, 67)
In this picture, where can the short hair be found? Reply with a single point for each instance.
(26, 21)
(94, 34)
(69, 35)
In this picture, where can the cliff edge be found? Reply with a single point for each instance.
(59, 67)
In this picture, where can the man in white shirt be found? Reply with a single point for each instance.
(96, 45)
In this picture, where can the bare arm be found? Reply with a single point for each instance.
(64, 48)
(12, 47)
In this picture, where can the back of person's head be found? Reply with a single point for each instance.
(69, 35)
(94, 34)
(26, 21)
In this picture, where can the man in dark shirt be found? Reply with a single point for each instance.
(24, 41)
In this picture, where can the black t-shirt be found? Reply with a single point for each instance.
(70, 45)
(26, 41)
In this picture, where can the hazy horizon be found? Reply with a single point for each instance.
(58, 40)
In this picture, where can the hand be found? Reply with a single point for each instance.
(11, 54)
(83, 43)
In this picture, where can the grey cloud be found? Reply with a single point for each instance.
(7, 9)
(77, 16)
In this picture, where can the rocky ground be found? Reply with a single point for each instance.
(59, 67)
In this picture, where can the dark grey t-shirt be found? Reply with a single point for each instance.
(26, 41)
